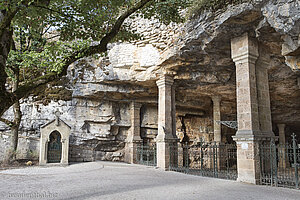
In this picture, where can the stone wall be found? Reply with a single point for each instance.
(98, 128)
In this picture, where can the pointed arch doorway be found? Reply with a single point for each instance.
(54, 148)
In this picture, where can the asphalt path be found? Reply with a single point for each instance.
(118, 181)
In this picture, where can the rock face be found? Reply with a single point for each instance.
(198, 54)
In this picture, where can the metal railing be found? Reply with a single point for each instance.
(205, 159)
(280, 164)
(146, 154)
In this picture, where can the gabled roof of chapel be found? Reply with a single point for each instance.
(50, 122)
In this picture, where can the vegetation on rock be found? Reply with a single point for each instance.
(55, 33)
(199, 6)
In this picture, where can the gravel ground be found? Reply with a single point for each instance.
(106, 180)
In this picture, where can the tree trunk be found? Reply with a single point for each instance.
(15, 130)
(12, 152)
(5, 44)
(5, 47)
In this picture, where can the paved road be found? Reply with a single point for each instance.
(105, 180)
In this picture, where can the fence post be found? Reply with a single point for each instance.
(142, 154)
(295, 160)
(274, 158)
(186, 158)
(271, 163)
(201, 157)
(172, 154)
(227, 161)
(214, 159)
(155, 161)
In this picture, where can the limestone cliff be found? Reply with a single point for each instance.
(198, 54)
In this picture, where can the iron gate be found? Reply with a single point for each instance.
(146, 154)
(280, 164)
(205, 159)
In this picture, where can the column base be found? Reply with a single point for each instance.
(248, 157)
(131, 151)
(42, 163)
(164, 154)
(54, 164)
(248, 180)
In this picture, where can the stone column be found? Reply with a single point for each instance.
(281, 128)
(134, 135)
(173, 112)
(165, 121)
(65, 151)
(282, 154)
(217, 117)
(244, 52)
(43, 150)
(263, 94)
(175, 156)
(217, 127)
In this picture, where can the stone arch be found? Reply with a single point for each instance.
(54, 149)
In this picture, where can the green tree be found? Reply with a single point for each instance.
(39, 39)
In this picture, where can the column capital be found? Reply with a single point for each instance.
(216, 99)
(135, 105)
(244, 49)
(281, 126)
(165, 80)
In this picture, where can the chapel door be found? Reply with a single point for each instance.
(54, 147)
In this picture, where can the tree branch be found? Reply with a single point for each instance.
(51, 10)
(9, 15)
(6, 121)
(26, 89)
(102, 46)
(6, 20)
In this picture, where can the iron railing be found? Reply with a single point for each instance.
(146, 154)
(280, 164)
(205, 159)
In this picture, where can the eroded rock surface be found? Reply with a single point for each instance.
(198, 54)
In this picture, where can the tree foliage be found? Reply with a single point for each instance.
(41, 38)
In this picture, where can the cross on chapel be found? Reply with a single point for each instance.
(57, 114)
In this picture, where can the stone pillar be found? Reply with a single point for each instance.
(134, 135)
(281, 128)
(180, 159)
(244, 52)
(43, 150)
(173, 112)
(165, 136)
(263, 94)
(217, 128)
(217, 117)
(282, 154)
(65, 150)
